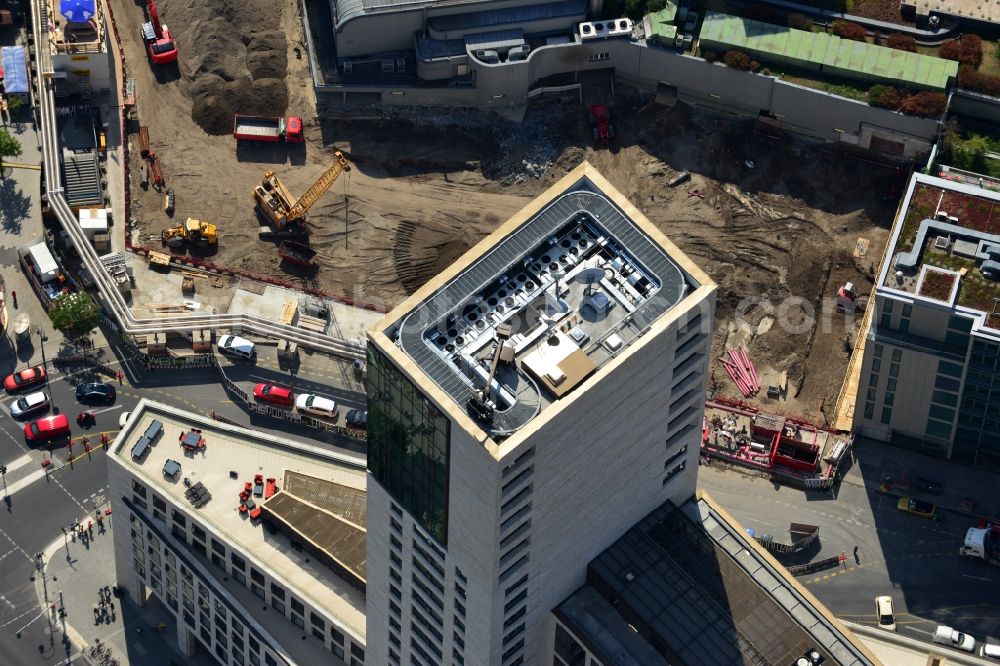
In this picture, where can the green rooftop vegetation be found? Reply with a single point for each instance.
(820, 51)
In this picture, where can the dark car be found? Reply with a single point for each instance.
(95, 392)
(357, 419)
(927, 486)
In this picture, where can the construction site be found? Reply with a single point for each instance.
(781, 224)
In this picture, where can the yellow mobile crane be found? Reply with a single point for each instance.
(281, 208)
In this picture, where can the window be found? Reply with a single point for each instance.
(946, 384)
(197, 532)
(336, 636)
(256, 576)
(938, 429)
(890, 385)
(887, 306)
(944, 398)
(277, 591)
(907, 309)
(597, 57)
(889, 399)
(950, 369)
(138, 488)
(298, 621)
(408, 445)
(297, 606)
(873, 379)
(278, 605)
(178, 518)
(904, 325)
(942, 413)
(869, 410)
(886, 415)
(894, 369)
(317, 621)
(237, 561)
(876, 364)
(674, 472)
(878, 351)
(158, 503)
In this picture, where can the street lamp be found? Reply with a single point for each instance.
(44, 338)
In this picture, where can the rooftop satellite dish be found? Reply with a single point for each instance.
(590, 277)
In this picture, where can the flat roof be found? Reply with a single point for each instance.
(693, 586)
(826, 50)
(248, 453)
(973, 9)
(575, 278)
(945, 236)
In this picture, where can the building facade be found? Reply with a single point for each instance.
(526, 407)
(215, 568)
(930, 378)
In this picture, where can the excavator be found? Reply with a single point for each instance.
(194, 232)
(280, 207)
(161, 46)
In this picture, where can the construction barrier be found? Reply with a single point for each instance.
(818, 565)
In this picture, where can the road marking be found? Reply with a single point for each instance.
(18, 463)
(988, 580)
(20, 484)
(109, 409)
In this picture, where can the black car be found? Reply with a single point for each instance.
(95, 392)
(927, 486)
(357, 419)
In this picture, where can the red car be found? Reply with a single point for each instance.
(23, 379)
(50, 427)
(276, 395)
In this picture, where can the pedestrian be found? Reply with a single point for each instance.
(13, 297)
(121, 376)
(112, 605)
(90, 527)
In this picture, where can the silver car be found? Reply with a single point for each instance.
(29, 404)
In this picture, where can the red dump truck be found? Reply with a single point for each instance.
(262, 128)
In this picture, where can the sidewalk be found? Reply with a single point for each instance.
(90, 566)
(873, 461)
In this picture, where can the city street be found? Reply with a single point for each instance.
(913, 560)
(39, 502)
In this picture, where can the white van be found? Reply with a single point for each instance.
(945, 635)
(232, 345)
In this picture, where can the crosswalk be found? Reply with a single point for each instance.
(23, 471)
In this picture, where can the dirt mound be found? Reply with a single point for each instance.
(228, 64)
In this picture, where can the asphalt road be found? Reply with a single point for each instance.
(39, 504)
(913, 560)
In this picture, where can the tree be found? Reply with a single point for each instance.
(75, 312)
(885, 96)
(901, 42)
(968, 50)
(848, 30)
(9, 147)
(737, 60)
(924, 104)
(14, 103)
(800, 22)
(970, 79)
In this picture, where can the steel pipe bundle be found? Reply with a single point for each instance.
(742, 371)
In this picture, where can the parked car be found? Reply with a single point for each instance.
(883, 613)
(947, 636)
(50, 427)
(274, 394)
(923, 485)
(357, 419)
(29, 404)
(232, 345)
(917, 508)
(95, 392)
(990, 649)
(310, 403)
(26, 378)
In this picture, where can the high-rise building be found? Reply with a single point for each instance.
(526, 407)
(930, 372)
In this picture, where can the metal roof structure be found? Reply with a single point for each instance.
(345, 10)
(821, 49)
(692, 585)
(508, 15)
(326, 515)
(535, 280)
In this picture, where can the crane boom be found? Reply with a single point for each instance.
(317, 189)
(154, 18)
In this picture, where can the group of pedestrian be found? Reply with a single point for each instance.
(104, 610)
(85, 533)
